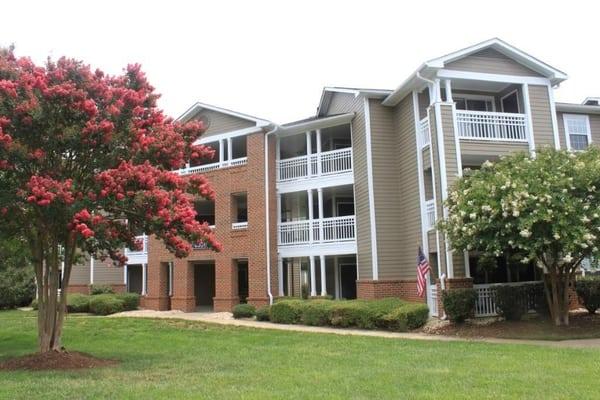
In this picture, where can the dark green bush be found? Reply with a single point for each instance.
(17, 286)
(286, 311)
(244, 311)
(262, 313)
(509, 301)
(78, 303)
(315, 312)
(588, 291)
(131, 301)
(305, 291)
(406, 317)
(459, 304)
(105, 304)
(349, 313)
(101, 289)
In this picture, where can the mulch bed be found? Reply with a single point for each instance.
(55, 360)
(582, 325)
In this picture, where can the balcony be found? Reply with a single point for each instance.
(321, 164)
(138, 256)
(430, 214)
(424, 132)
(317, 231)
(495, 126)
(200, 169)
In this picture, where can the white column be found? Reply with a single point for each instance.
(280, 274)
(125, 269)
(308, 153)
(313, 278)
(229, 150)
(91, 270)
(336, 277)
(448, 87)
(310, 215)
(438, 91)
(323, 276)
(144, 274)
(221, 152)
(431, 93)
(527, 107)
(318, 152)
(320, 198)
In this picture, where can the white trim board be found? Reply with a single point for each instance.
(373, 224)
(198, 106)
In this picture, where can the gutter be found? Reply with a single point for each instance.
(267, 217)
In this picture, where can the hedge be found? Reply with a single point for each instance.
(244, 311)
(588, 290)
(101, 289)
(131, 301)
(391, 313)
(105, 304)
(262, 313)
(78, 303)
(459, 304)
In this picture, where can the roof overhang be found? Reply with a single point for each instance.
(430, 68)
(198, 106)
(329, 91)
(319, 123)
(577, 108)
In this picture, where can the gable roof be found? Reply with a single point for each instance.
(329, 91)
(429, 68)
(198, 106)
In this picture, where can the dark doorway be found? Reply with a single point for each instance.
(134, 278)
(242, 267)
(348, 280)
(204, 284)
(510, 103)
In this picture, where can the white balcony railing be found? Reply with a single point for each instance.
(138, 256)
(486, 298)
(485, 125)
(326, 230)
(321, 164)
(213, 166)
(430, 214)
(424, 132)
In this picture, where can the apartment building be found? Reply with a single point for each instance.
(339, 203)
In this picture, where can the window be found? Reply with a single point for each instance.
(577, 131)
(474, 103)
(205, 211)
(239, 211)
(510, 103)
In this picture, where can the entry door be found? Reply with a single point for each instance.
(348, 281)
(204, 284)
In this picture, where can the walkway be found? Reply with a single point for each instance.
(225, 318)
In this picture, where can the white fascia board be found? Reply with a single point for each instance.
(321, 123)
(225, 135)
(577, 108)
(481, 76)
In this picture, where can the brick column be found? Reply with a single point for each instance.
(157, 297)
(257, 280)
(183, 287)
(226, 281)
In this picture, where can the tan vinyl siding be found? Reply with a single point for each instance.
(541, 116)
(80, 273)
(344, 103)
(106, 274)
(220, 122)
(594, 127)
(452, 172)
(491, 62)
(489, 148)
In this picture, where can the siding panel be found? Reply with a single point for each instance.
(492, 62)
(541, 117)
(220, 123)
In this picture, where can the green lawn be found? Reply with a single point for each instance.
(177, 359)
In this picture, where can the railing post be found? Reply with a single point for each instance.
(229, 150)
(310, 215)
(323, 276)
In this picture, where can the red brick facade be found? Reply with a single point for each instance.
(404, 289)
(247, 244)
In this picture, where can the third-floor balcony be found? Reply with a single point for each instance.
(495, 126)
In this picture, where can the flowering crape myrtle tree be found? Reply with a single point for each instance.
(85, 165)
(544, 210)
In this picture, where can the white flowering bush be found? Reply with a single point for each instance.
(544, 209)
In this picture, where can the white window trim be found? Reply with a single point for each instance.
(568, 134)
(468, 96)
(515, 92)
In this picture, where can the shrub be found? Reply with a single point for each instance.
(131, 301)
(105, 304)
(101, 289)
(286, 311)
(244, 311)
(262, 313)
(588, 291)
(407, 317)
(352, 313)
(459, 303)
(78, 303)
(17, 286)
(315, 312)
(34, 304)
(509, 301)
(305, 291)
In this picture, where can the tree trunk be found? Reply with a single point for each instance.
(556, 288)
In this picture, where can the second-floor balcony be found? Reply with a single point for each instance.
(315, 165)
(495, 126)
(316, 231)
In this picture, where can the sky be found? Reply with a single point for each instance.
(271, 59)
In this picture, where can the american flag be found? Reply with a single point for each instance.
(422, 271)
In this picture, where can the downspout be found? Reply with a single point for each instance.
(267, 217)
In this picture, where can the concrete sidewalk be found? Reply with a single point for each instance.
(226, 318)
